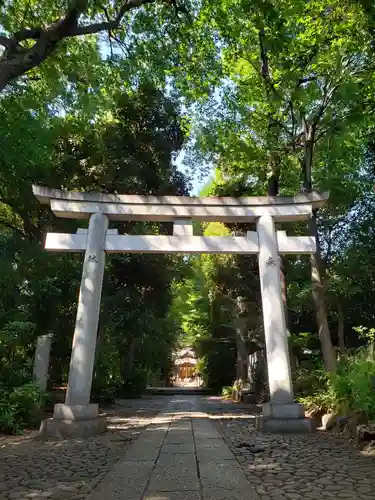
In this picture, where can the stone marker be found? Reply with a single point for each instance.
(41, 360)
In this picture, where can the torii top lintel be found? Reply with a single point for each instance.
(80, 205)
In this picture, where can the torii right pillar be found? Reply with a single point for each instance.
(282, 413)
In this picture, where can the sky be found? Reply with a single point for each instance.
(198, 181)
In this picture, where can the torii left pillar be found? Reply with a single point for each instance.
(77, 417)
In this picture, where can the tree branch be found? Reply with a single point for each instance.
(13, 228)
(109, 25)
(28, 33)
(129, 5)
(72, 17)
(327, 98)
(306, 79)
(18, 60)
(264, 77)
(92, 28)
(121, 43)
(280, 124)
(11, 205)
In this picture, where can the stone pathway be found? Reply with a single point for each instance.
(180, 456)
(181, 447)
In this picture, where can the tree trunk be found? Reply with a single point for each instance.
(264, 392)
(242, 356)
(252, 370)
(319, 301)
(371, 351)
(131, 358)
(315, 259)
(240, 323)
(127, 359)
(99, 343)
(340, 328)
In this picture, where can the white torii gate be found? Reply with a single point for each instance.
(77, 417)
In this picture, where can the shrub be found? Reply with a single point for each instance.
(202, 369)
(134, 384)
(319, 403)
(21, 399)
(17, 342)
(352, 387)
(227, 392)
(307, 380)
(104, 390)
(349, 390)
(368, 335)
(20, 406)
(309, 375)
(219, 367)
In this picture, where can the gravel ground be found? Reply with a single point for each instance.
(315, 466)
(34, 469)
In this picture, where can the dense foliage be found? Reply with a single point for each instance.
(131, 151)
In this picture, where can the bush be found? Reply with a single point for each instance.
(219, 367)
(318, 403)
(17, 346)
(133, 384)
(227, 392)
(104, 390)
(21, 399)
(307, 380)
(349, 390)
(352, 387)
(20, 407)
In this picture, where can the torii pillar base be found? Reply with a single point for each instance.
(284, 418)
(74, 421)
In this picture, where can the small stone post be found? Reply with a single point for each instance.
(77, 405)
(41, 360)
(281, 413)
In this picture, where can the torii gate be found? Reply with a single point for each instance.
(77, 417)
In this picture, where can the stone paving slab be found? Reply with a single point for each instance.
(224, 494)
(173, 495)
(201, 436)
(183, 437)
(221, 453)
(175, 477)
(187, 460)
(203, 433)
(178, 448)
(190, 461)
(125, 480)
(217, 442)
(143, 453)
